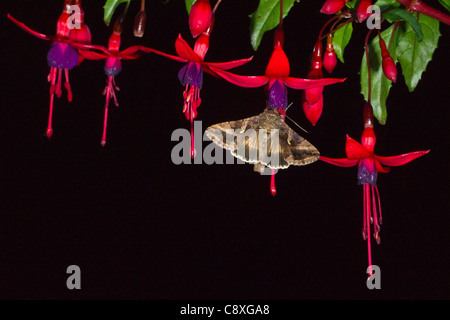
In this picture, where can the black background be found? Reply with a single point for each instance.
(141, 227)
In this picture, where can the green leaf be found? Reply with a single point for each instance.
(403, 15)
(380, 84)
(414, 55)
(266, 17)
(387, 4)
(341, 38)
(351, 4)
(446, 4)
(110, 7)
(189, 4)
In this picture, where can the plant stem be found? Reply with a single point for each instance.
(325, 25)
(280, 25)
(332, 30)
(393, 33)
(369, 80)
(419, 6)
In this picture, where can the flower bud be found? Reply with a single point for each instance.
(333, 6)
(139, 24)
(200, 17)
(361, 12)
(313, 95)
(389, 68)
(330, 59)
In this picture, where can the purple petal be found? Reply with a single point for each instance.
(113, 66)
(62, 56)
(367, 172)
(192, 74)
(277, 96)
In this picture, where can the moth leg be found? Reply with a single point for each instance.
(290, 136)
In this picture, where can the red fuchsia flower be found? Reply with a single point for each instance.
(330, 59)
(191, 75)
(113, 66)
(333, 6)
(313, 98)
(389, 68)
(369, 165)
(63, 53)
(200, 17)
(362, 11)
(276, 79)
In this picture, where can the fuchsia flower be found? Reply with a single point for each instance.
(63, 53)
(191, 75)
(113, 66)
(277, 79)
(369, 164)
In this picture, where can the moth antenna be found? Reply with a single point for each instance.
(296, 123)
(293, 120)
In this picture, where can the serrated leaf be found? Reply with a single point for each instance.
(414, 55)
(380, 84)
(189, 4)
(341, 38)
(266, 17)
(109, 9)
(403, 15)
(445, 4)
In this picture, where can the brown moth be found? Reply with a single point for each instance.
(264, 140)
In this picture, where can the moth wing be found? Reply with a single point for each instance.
(297, 150)
(240, 137)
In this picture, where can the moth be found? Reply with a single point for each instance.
(264, 140)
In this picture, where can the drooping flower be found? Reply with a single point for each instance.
(63, 55)
(113, 66)
(191, 75)
(277, 79)
(369, 165)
